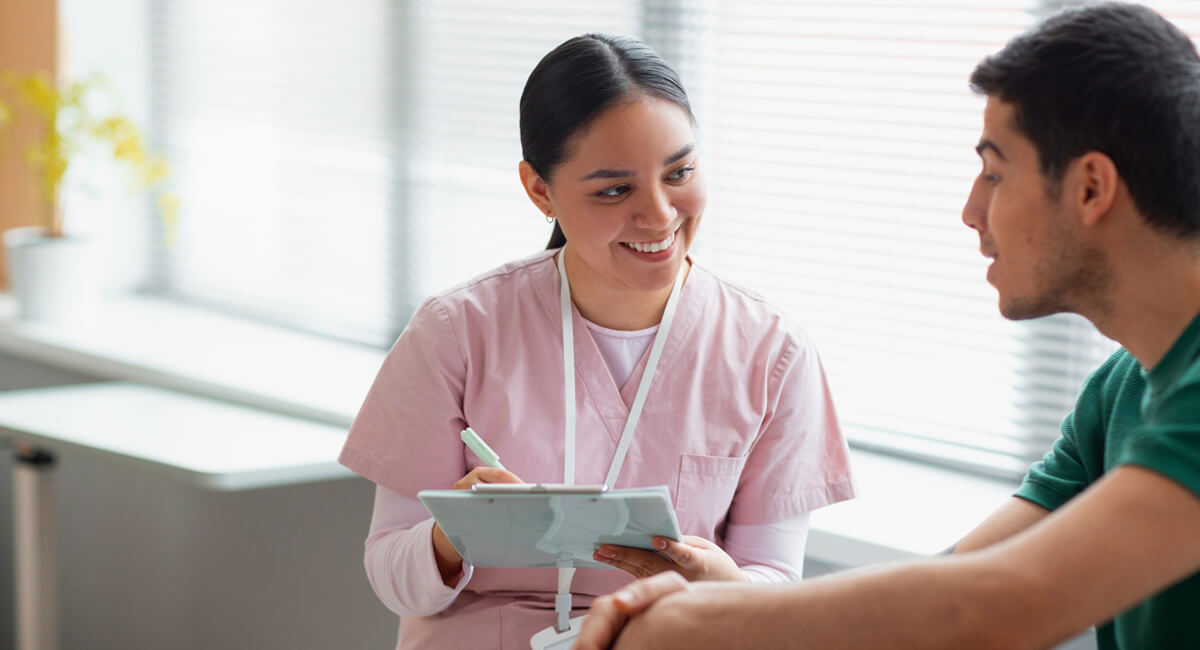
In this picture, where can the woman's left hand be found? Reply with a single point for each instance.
(695, 558)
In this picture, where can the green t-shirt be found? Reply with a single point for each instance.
(1128, 416)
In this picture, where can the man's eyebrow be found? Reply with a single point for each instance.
(988, 144)
(626, 173)
(687, 148)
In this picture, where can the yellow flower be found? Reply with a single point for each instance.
(39, 93)
(49, 159)
(6, 119)
(125, 140)
(74, 93)
(113, 128)
(168, 207)
(66, 124)
(154, 171)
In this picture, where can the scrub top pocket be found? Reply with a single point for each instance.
(704, 491)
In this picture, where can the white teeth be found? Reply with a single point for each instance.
(652, 247)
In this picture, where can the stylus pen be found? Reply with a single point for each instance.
(480, 448)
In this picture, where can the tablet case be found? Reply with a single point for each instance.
(549, 529)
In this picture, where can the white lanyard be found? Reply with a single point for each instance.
(562, 603)
(639, 400)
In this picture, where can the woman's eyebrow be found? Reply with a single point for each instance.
(609, 173)
(687, 148)
(626, 173)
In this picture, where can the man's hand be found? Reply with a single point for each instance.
(695, 558)
(1112, 546)
(609, 614)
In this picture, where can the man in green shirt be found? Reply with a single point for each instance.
(1088, 202)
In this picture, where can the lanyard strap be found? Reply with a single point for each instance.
(639, 400)
(562, 602)
(568, 344)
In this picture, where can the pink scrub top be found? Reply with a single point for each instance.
(739, 424)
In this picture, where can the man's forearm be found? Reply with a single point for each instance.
(1014, 516)
(932, 604)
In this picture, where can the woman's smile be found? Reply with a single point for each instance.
(653, 250)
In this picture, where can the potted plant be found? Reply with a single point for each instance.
(50, 271)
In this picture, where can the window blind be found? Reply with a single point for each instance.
(842, 152)
(470, 212)
(275, 117)
(340, 161)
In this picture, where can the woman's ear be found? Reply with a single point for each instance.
(536, 188)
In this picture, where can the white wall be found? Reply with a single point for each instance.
(17, 373)
(148, 563)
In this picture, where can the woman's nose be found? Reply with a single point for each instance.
(658, 210)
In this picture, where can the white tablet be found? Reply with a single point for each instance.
(547, 525)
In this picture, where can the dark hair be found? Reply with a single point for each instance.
(575, 83)
(1115, 78)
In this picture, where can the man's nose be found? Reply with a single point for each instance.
(974, 212)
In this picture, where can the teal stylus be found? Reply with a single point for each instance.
(484, 452)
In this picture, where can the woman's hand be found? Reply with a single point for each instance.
(449, 562)
(486, 475)
(695, 558)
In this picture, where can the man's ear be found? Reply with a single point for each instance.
(536, 188)
(1096, 186)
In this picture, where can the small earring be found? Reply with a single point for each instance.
(549, 218)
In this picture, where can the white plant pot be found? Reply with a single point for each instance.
(51, 278)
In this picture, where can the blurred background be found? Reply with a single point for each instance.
(337, 161)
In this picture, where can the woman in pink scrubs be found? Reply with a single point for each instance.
(734, 414)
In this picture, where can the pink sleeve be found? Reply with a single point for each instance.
(769, 553)
(405, 436)
(399, 558)
(800, 461)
